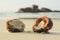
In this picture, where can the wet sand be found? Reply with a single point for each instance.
(28, 34)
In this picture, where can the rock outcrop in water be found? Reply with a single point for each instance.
(35, 9)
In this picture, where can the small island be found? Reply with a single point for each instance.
(35, 9)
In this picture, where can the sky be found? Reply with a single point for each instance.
(15, 5)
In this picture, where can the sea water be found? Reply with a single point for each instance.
(55, 15)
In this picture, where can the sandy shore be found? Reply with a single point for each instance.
(53, 35)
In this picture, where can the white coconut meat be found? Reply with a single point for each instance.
(39, 26)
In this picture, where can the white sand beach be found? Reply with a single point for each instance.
(53, 35)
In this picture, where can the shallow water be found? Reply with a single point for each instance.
(55, 15)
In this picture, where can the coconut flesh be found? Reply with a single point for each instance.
(40, 25)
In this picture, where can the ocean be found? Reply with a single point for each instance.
(7, 15)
